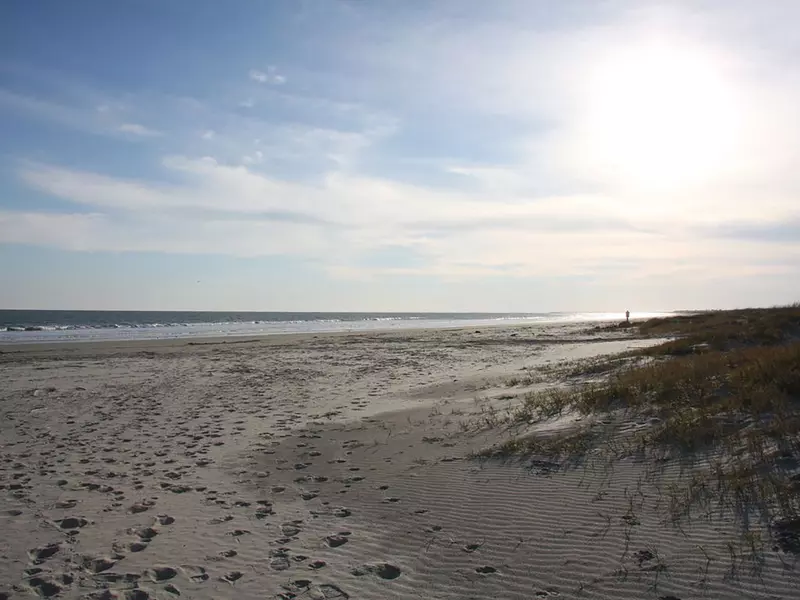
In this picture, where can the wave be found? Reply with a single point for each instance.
(102, 325)
(203, 324)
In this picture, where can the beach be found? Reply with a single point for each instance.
(335, 465)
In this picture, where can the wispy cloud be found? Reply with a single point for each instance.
(137, 129)
(349, 217)
(271, 75)
(101, 119)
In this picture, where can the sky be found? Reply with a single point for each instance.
(440, 155)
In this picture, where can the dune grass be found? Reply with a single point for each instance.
(724, 330)
(724, 392)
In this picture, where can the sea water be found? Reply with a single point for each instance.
(68, 325)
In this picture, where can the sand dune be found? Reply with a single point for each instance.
(327, 467)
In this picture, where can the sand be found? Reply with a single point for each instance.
(329, 466)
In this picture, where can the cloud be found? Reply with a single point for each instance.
(509, 144)
(343, 219)
(270, 76)
(137, 129)
(256, 157)
(102, 119)
(97, 232)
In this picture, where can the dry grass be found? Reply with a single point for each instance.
(725, 330)
(725, 393)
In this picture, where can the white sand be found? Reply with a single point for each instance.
(327, 466)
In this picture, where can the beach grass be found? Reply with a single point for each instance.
(723, 393)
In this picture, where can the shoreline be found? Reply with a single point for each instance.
(100, 331)
(34, 347)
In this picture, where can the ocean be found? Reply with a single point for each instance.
(92, 325)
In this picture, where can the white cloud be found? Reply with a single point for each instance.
(254, 158)
(97, 232)
(234, 210)
(270, 76)
(139, 130)
(208, 134)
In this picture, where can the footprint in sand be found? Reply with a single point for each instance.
(44, 587)
(317, 564)
(291, 528)
(311, 479)
(72, 523)
(97, 564)
(140, 507)
(220, 520)
(279, 560)
(124, 579)
(232, 577)
(137, 546)
(196, 574)
(263, 511)
(339, 539)
(39, 555)
(158, 574)
(327, 591)
(145, 534)
(237, 533)
(485, 570)
(382, 570)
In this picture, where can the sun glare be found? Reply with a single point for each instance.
(661, 116)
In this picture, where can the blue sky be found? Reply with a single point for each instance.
(417, 155)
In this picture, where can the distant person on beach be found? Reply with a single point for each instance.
(627, 316)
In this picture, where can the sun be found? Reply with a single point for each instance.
(661, 115)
